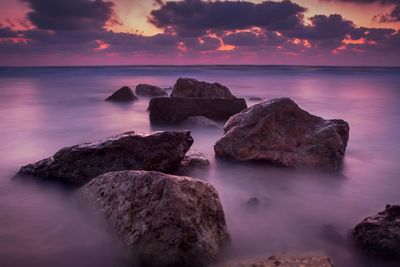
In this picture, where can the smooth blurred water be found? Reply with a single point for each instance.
(45, 109)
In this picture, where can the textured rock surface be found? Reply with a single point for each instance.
(121, 95)
(169, 220)
(279, 131)
(379, 235)
(161, 151)
(194, 159)
(191, 88)
(174, 109)
(282, 261)
(150, 90)
(200, 121)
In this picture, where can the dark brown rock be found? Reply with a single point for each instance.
(168, 220)
(174, 109)
(123, 94)
(161, 151)
(191, 88)
(279, 131)
(150, 90)
(379, 235)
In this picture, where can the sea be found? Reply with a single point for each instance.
(43, 109)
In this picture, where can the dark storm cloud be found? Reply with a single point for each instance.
(244, 38)
(7, 32)
(69, 15)
(196, 17)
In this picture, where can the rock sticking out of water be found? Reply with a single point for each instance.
(200, 121)
(279, 131)
(168, 220)
(150, 90)
(191, 88)
(379, 235)
(124, 94)
(193, 160)
(161, 151)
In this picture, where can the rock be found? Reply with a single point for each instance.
(379, 235)
(122, 95)
(282, 261)
(252, 203)
(191, 88)
(200, 121)
(174, 109)
(279, 131)
(168, 220)
(150, 90)
(194, 159)
(255, 98)
(76, 165)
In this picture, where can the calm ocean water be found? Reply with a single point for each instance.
(45, 109)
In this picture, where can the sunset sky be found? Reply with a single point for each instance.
(120, 32)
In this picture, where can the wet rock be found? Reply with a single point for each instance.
(255, 98)
(280, 132)
(379, 235)
(124, 94)
(200, 121)
(174, 109)
(193, 160)
(191, 88)
(168, 220)
(150, 90)
(161, 151)
(282, 261)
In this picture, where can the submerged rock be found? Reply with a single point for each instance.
(168, 220)
(191, 88)
(150, 90)
(252, 203)
(161, 151)
(255, 98)
(379, 235)
(122, 95)
(282, 261)
(279, 131)
(174, 109)
(200, 121)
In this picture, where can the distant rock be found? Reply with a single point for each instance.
(174, 109)
(279, 131)
(191, 88)
(150, 90)
(168, 220)
(161, 151)
(200, 121)
(379, 235)
(193, 160)
(252, 203)
(282, 261)
(255, 98)
(123, 94)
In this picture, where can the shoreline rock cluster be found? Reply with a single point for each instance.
(174, 220)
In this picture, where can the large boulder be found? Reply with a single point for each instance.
(124, 94)
(174, 109)
(168, 220)
(379, 235)
(150, 90)
(279, 131)
(161, 151)
(191, 88)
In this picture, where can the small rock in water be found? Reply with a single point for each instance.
(379, 235)
(123, 94)
(280, 132)
(76, 165)
(200, 121)
(193, 160)
(252, 203)
(150, 90)
(191, 88)
(168, 220)
(255, 98)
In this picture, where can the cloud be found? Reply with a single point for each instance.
(7, 32)
(69, 15)
(196, 17)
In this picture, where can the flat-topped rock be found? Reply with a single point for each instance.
(174, 109)
(160, 151)
(280, 132)
(379, 235)
(150, 90)
(192, 88)
(124, 94)
(168, 220)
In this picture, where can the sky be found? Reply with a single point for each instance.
(186, 32)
